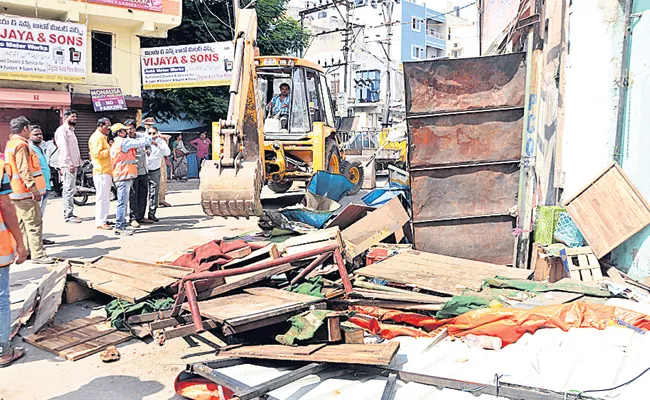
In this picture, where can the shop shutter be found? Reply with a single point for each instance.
(87, 123)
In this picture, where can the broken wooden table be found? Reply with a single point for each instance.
(187, 290)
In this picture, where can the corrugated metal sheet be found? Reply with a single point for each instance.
(465, 124)
(580, 359)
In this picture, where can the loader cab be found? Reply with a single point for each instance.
(309, 97)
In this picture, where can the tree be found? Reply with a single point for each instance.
(206, 21)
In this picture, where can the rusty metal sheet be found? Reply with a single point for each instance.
(465, 126)
(452, 85)
(487, 239)
(466, 137)
(464, 192)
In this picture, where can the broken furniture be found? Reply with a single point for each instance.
(609, 210)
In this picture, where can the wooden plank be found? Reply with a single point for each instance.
(257, 323)
(616, 276)
(374, 227)
(365, 354)
(257, 303)
(440, 274)
(239, 253)
(240, 281)
(282, 294)
(609, 210)
(105, 282)
(173, 271)
(95, 346)
(187, 330)
(334, 329)
(50, 293)
(75, 291)
(145, 277)
(266, 252)
(322, 235)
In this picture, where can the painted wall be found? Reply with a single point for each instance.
(124, 25)
(412, 37)
(633, 256)
(591, 91)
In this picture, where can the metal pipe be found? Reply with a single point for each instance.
(236, 77)
(264, 264)
(623, 82)
(190, 292)
(318, 261)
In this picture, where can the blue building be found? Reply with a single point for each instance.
(423, 32)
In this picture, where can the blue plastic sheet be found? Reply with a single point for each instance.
(332, 186)
(380, 196)
(306, 215)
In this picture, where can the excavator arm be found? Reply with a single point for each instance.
(232, 181)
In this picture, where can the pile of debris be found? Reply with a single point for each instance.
(335, 297)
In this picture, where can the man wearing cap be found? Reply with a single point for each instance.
(99, 150)
(140, 188)
(125, 170)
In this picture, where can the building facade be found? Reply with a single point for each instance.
(74, 47)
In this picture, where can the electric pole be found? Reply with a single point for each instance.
(387, 6)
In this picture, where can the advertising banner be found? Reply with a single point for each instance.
(208, 64)
(149, 5)
(42, 50)
(110, 99)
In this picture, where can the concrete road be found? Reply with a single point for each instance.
(145, 371)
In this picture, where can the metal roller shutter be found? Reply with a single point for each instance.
(87, 123)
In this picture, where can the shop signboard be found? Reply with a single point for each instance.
(42, 50)
(207, 64)
(110, 99)
(149, 5)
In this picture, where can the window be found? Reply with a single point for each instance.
(322, 14)
(416, 24)
(416, 52)
(102, 52)
(457, 11)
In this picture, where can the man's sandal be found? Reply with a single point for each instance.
(14, 354)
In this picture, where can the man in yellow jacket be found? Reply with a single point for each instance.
(102, 171)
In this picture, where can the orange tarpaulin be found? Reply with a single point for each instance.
(509, 324)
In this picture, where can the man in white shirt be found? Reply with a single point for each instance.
(69, 162)
(158, 150)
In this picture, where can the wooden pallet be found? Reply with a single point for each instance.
(79, 338)
(583, 264)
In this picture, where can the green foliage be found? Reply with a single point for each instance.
(207, 21)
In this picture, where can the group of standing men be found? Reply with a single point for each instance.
(133, 161)
(135, 155)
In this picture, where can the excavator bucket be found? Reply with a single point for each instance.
(231, 192)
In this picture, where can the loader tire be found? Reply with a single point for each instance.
(279, 187)
(332, 157)
(354, 172)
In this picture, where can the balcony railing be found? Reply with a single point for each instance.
(434, 33)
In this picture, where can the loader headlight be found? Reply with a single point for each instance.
(276, 145)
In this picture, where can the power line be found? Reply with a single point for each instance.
(198, 9)
(219, 19)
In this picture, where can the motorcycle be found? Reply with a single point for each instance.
(85, 186)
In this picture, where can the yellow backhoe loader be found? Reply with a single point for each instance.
(262, 143)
